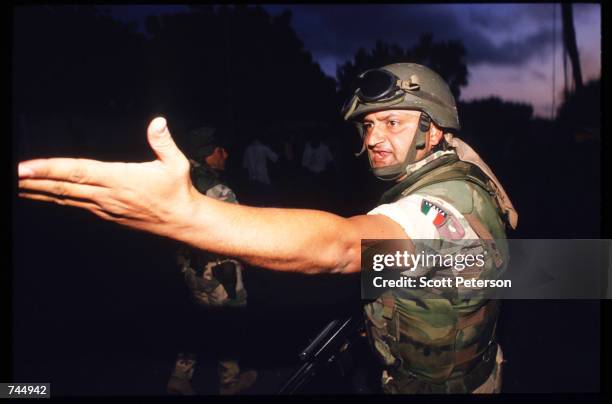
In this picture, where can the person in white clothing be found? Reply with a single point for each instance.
(256, 157)
(261, 191)
(316, 157)
(316, 160)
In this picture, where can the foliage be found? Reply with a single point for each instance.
(74, 58)
(447, 58)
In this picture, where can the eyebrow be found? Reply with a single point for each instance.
(389, 115)
(399, 113)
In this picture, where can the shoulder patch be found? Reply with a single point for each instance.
(440, 214)
(446, 223)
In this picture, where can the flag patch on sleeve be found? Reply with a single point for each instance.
(439, 217)
(447, 225)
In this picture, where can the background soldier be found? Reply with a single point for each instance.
(214, 281)
(443, 192)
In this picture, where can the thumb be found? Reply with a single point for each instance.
(162, 143)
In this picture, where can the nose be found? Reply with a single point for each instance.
(374, 136)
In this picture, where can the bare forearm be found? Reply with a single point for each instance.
(299, 240)
(158, 197)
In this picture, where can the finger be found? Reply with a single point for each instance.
(63, 189)
(92, 207)
(162, 143)
(80, 171)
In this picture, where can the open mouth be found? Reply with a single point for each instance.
(380, 156)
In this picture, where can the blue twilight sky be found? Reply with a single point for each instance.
(509, 46)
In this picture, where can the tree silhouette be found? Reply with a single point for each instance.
(74, 58)
(221, 63)
(581, 110)
(237, 65)
(491, 125)
(447, 58)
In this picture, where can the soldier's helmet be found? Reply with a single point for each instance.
(403, 86)
(204, 140)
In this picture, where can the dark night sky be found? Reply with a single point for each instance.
(509, 46)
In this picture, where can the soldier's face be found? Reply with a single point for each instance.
(218, 158)
(388, 136)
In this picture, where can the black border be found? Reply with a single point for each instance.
(6, 274)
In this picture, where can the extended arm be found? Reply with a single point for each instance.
(300, 240)
(158, 197)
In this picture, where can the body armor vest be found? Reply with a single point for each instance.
(442, 345)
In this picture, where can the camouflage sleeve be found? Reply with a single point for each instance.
(223, 193)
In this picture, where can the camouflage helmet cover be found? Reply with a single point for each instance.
(204, 140)
(424, 90)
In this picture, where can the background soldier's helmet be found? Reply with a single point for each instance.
(204, 140)
(403, 86)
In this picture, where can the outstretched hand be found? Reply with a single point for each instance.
(155, 196)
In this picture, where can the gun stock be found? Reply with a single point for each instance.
(326, 348)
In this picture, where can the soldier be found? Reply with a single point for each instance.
(442, 192)
(213, 280)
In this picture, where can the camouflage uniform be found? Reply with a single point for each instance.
(441, 343)
(450, 202)
(214, 282)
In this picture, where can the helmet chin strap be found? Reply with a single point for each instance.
(395, 171)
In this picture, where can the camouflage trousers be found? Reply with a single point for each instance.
(494, 382)
(492, 385)
(180, 379)
(229, 370)
(216, 335)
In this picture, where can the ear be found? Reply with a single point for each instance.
(435, 135)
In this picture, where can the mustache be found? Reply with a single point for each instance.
(376, 149)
